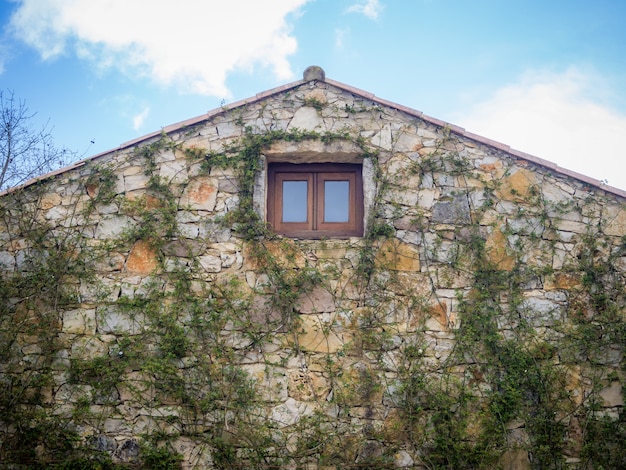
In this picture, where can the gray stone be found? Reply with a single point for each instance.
(113, 226)
(290, 412)
(183, 248)
(402, 459)
(456, 211)
(128, 451)
(111, 320)
(210, 263)
(612, 395)
(314, 72)
(317, 301)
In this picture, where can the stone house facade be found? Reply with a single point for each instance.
(313, 278)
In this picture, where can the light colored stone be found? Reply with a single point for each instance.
(50, 200)
(402, 459)
(200, 194)
(79, 321)
(307, 119)
(113, 226)
(306, 386)
(211, 263)
(318, 335)
(174, 171)
(407, 141)
(137, 181)
(617, 222)
(383, 138)
(112, 321)
(290, 412)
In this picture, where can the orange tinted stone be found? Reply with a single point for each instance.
(142, 258)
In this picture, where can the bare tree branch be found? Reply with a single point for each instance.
(25, 151)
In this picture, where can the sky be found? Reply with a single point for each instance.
(547, 77)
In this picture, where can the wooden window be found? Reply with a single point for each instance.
(315, 200)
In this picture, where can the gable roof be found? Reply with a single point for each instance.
(315, 73)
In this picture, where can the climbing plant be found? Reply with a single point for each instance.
(188, 356)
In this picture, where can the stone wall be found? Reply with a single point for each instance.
(147, 315)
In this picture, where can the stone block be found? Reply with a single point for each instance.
(113, 226)
(317, 301)
(200, 194)
(306, 118)
(80, 321)
(616, 225)
(515, 459)
(49, 200)
(290, 412)
(306, 386)
(456, 211)
(396, 255)
(316, 335)
(517, 186)
(612, 395)
(408, 142)
(142, 258)
(211, 263)
(497, 252)
(112, 321)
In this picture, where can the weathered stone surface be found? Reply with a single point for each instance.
(174, 171)
(517, 186)
(309, 151)
(128, 451)
(113, 226)
(516, 459)
(456, 211)
(398, 256)
(306, 386)
(317, 301)
(497, 250)
(112, 321)
(79, 321)
(142, 258)
(315, 335)
(612, 395)
(211, 263)
(617, 223)
(200, 194)
(284, 251)
(306, 118)
(402, 459)
(182, 248)
(290, 412)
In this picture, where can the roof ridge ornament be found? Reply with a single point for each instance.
(314, 72)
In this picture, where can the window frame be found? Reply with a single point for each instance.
(316, 174)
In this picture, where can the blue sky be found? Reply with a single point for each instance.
(547, 77)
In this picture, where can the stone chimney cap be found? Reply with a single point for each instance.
(314, 72)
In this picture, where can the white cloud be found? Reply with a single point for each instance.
(190, 43)
(340, 35)
(139, 119)
(558, 117)
(370, 8)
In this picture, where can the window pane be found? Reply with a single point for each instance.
(294, 201)
(336, 201)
